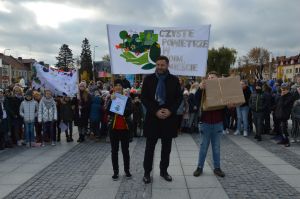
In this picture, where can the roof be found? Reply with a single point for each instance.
(28, 61)
(10, 60)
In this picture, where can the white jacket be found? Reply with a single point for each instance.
(47, 115)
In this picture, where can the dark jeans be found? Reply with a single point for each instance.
(4, 139)
(258, 118)
(267, 122)
(48, 129)
(95, 127)
(284, 128)
(69, 130)
(38, 131)
(166, 145)
(135, 126)
(123, 137)
(276, 125)
(17, 130)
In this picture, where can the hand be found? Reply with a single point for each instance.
(166, 113)
(298, 89)
(195, 108)
(160, 114)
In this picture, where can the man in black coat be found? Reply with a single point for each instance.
(161, 96)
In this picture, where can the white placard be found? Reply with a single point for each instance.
(118, 104)
(134, 49)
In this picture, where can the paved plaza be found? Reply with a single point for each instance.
(71, 170)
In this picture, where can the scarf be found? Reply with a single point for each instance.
(160, 94)
(48, 102)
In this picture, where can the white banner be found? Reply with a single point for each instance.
(134, 49)
(59, 82)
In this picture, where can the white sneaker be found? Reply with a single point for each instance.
(298, 140)
(43, 145)
(53, 144)
(245, 133)
(293, 140)
(227, 131)
(237, 132)
(224, 132)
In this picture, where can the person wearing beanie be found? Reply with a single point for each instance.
(257, 105)
(29, 111)
(119, 131)
(47, 115)
(283, 111)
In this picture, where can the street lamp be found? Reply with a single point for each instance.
(5, 50)
(94, 78)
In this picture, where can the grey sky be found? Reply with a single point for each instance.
(37, 29)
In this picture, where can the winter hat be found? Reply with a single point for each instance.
(118, 81)
(29, 93)
(285, 86)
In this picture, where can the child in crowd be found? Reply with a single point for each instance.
(37, 126)
(119, 132)
(186, 115)
(137, 115)
(47, 115)
(82, 111)
(257, 105)
(14, 103)
(29, 111)
(67, 116)
(283, 111)
(96, 113)
(295, 134)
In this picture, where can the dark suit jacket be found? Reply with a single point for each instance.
(153, 126)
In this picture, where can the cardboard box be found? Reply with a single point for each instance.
(222, 92)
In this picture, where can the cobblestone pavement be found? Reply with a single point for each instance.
(67, 176)
(135, 187)
(248, 178)
(280, 151)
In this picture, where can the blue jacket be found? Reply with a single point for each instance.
(96, 109)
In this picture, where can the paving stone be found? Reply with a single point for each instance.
(67, 175)
(241, 168)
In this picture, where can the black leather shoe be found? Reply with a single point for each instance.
(166, 176)
(147, 179)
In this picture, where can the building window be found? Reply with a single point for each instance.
(297, 70)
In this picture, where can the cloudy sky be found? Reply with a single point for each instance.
(37, 28)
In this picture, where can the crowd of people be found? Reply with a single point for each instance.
(37, 118)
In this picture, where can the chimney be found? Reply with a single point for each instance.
(20, 58)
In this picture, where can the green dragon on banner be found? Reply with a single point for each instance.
(140, 49)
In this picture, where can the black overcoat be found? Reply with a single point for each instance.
(153, 126)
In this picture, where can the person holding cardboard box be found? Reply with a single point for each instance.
(210, 130)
